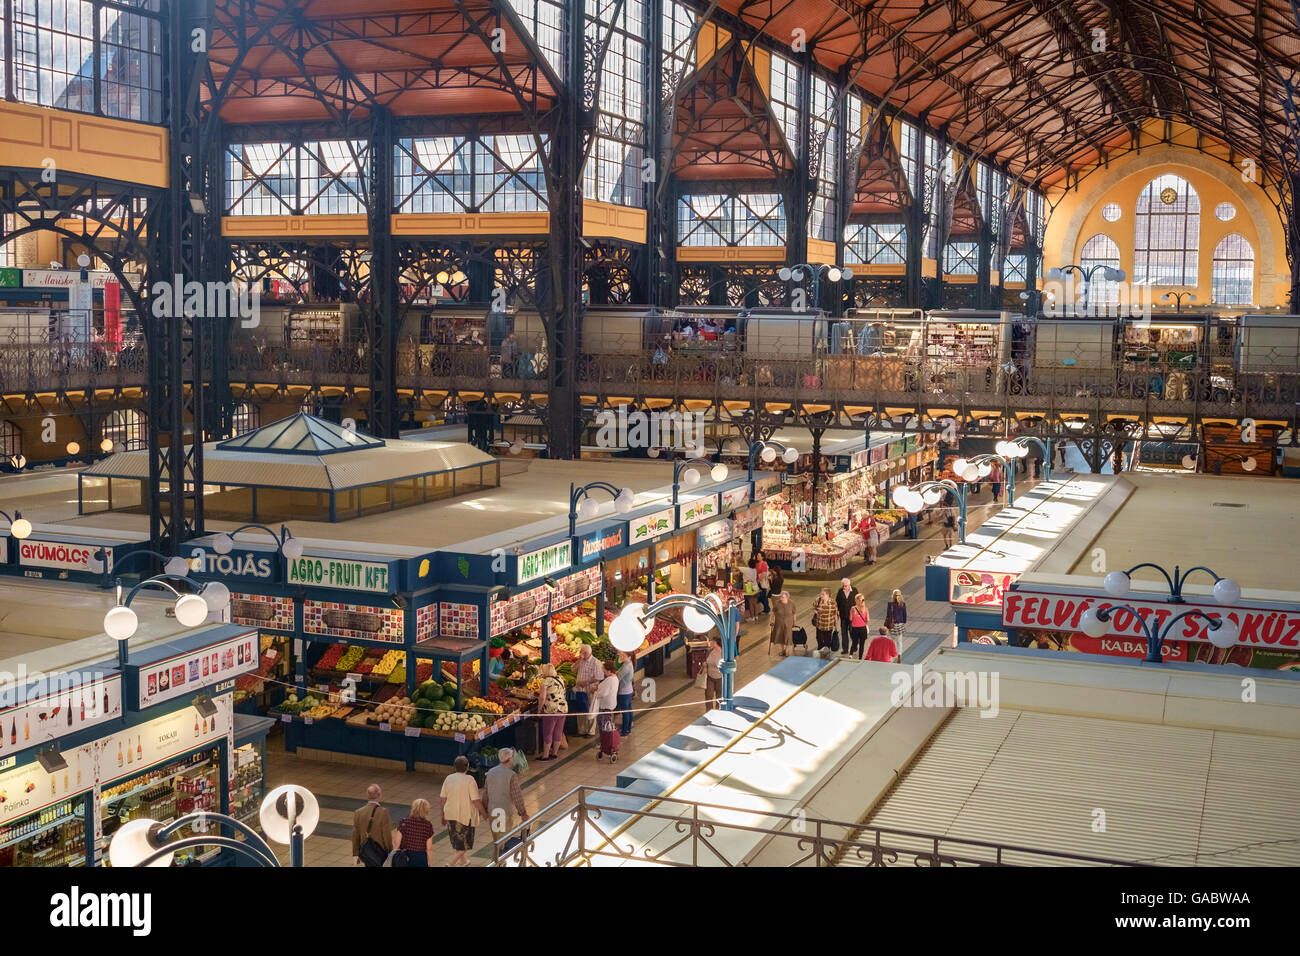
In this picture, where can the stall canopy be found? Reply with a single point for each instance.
(305, 467)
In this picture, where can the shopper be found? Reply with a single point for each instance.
(995, 481)
(825, 620)
(782, 621)
(553, 708)
(749, 585)
(777, 580)
(870, 533)
(713, 674)
(509, 354)
(626, 677)
(845, 598)
(414, 837)
(587, 675)
(503, 796)
(859, 618)
(605, 703)
(882, 648)
(372, 830)
(461, 810)
(896, 617)
(949, 524)
(763, 575)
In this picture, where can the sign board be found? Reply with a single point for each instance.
(342, 573)
(551, 560)
(46, 708)
(188, 672)
(765, 486)
(714, 535)
(128, 752)
(751, 519)
(649, 527)
(592, 546)
(735, 498)
(61, 555)
(701, 509)
(64, 278)
(247, 564)
(1061, 612)
(978, 588)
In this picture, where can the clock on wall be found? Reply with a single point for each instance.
(1169, 195)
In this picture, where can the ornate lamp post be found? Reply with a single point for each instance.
(191, 609)
(583, 505)
(916, 497)
(629, 630)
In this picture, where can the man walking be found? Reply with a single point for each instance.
(587, 677)
(503, 796)
(372, 830)
(844, 599)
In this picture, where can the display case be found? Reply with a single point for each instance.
(53, 836)
(189, 784)
(248, 766)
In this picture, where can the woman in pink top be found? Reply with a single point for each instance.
(859, 618)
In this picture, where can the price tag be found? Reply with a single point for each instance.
(459, 738)
(354, 677)
(480, 735)
(308, 721)
(297, 647)
(323, 687)
(272, 653)
(385, 726)
(412, 731)
(286, 718)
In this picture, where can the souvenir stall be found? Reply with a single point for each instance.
(1167, 347)
(965, 351)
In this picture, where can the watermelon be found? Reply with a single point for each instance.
(449, 689)
(442, 704)
(424, 688)
(434, 692)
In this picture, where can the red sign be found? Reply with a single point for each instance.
(1061, 612)
(1126, 647)
(113, 316)
(47, 554)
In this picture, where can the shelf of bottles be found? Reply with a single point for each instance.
(188, 785)
(55, 836)
(246, 799)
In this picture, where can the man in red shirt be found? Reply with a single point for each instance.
(882, 648)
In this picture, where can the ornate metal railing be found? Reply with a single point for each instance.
(44, 367)
(594, 826)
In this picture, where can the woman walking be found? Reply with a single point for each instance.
(896, 617)
(553, 708)
(413, 837)
(995, 481)
(782, 620)
(776, 580)
(763, 575)
(859, 619)
(949, 523)
(826, 620)
(713, 674)
(606, 702)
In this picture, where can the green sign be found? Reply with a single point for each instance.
(339, 573)
(536, 564)
(11, 278)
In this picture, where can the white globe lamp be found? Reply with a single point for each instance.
(21, 528)
(587, 509)
(1225, 635)
(624, 501)
(1227, 591)
(177, 566)
(217, 596)
(690, 477)
(790, 456)
(1116, 583)
(627, 632)
(191, 610)
(768, 454)
(286, 807)
(718, 472)
(223, 543)
(1092, 624)
(292, 548)
(135, 842)
(120, 623)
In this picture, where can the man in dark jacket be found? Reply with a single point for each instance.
(844, 599)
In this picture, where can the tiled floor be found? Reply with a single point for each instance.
(340, 786)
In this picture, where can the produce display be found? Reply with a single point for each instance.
(451, 723)
(293, 705)
(397, 712)
(389, 663)
(331, 656)
(350, 659)
(478, 704)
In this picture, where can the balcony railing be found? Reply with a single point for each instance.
(598, 826)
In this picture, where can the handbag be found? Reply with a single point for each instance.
(399, 858)
(371, 853)
(702, 677)
(606, 720)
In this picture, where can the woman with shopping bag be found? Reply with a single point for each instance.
(604, 705)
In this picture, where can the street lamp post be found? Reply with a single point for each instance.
(1086, 274)
(288, 546)
(815, 269)
(19, 528)
(175, 565)
(288, 814)
(1226, 590)
(1096, 623)
(191, 609)
(1178, 298)
(913, 499)
(686, 467)
(1019, 448)
(982, 469)
(767, 451)
(582, 504)
(629, 630)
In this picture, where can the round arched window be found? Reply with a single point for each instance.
(1111, 212)
(1225, 212)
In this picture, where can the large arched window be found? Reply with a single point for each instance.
(1166, 242)
(126, 427)
(1101, 250)
(1233, 278)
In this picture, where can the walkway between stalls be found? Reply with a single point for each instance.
(340, 786)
